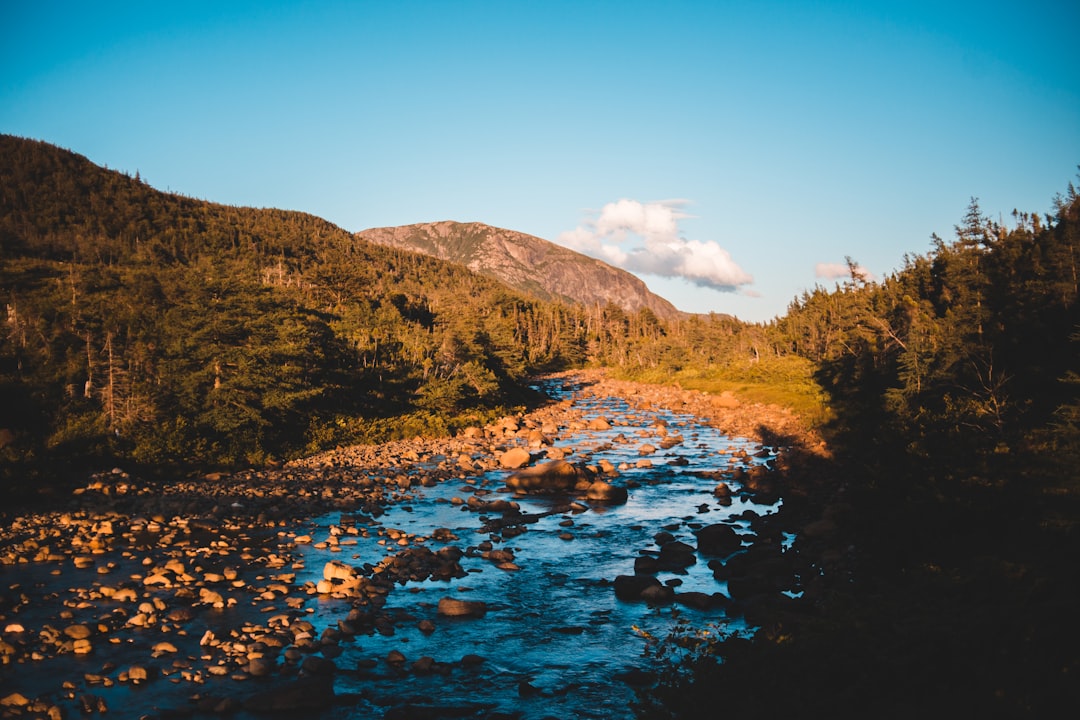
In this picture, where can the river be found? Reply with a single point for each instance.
(554, 642)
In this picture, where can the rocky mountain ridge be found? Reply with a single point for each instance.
(526, 263)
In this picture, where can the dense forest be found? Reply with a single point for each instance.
(159, 331)
(945, 552)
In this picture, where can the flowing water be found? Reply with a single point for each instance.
(555, 637)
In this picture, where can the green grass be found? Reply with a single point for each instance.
(786, 381)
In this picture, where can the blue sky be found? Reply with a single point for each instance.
(741, 148)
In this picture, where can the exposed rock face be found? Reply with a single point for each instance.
(527, 263)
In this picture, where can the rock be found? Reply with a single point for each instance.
(77, 632)
(631, 587)
(599, 424)
(676, 556)
(606, 492)
(424, 665)
(337, 570)
(453, 607)
(718, 540)
(515, 458)
(723, 493)
(164, 648)
(16, 700)
(551, 476)
(138, 674)
(646, 565)
(658, 594)
(210, 597)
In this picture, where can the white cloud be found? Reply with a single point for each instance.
(644, 237)
(835, 271)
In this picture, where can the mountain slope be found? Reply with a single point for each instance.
(143, 326)
(526, 263)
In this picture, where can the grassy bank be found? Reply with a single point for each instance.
(787, 381)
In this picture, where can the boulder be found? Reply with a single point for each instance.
(552, 476)
(514, 458)
(606, 492)
(658, 594)
(453, 607)
(337, 570)
(718, 540)
(676, 555)
(631, 587)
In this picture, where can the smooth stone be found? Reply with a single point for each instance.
(453, 607)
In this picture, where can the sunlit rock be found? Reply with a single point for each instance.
(453, 607)
(606, 492)
(552, 476)
(514, 458)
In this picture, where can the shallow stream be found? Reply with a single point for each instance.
(555, 637)
(555, 641)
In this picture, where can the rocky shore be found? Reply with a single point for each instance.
(180, 586)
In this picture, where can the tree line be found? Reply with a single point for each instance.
(149, 327)
(156, 328)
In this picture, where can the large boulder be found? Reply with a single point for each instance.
(718, 540)
(635, 587)
(676, 555)
(552, 476)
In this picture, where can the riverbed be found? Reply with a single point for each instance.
(549, 637)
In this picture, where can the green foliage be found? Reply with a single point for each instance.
(945, 582)
(152, 328)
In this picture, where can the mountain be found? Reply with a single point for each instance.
(143, 326)
(526, 263)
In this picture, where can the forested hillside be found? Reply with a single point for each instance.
(148, 327)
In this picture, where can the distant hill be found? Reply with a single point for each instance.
(526, 263)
